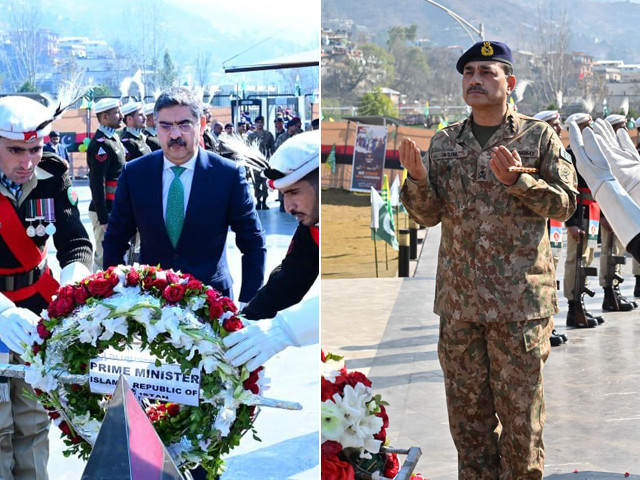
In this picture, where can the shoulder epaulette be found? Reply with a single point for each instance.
(53, 164)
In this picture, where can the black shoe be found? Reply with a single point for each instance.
(636, 290)
(574, 309)
(264, 205)
(258, 206)
(597, 318)
(557, 339)
(614, 302)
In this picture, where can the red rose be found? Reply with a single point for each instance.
(53, 415)
(383, 414)
(212, 294)
(132, 277)
(102, 285)
(327, 389)
(62, 305)
(232, 324)
(392, 466)
(37, 391)
(381, 435)
(251, 383)
(322, 356)
(333, 468)
(160, 284)
(215, 309)
(330, 448)
(35, 348)
(76, 439)
(173, 277)
(80, 294)
(75, 387)
(194, 284)
(173, 293)
(173, 409)
(354, 378)
(65, 428)
(43, 332)
(228, 305)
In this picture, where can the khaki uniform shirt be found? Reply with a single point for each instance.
(495, 262)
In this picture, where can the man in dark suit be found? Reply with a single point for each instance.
(182, 200)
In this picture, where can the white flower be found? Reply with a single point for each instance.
(91, 330)
(196, 303)
(100, 312)
(333, 421)
(209, 363)
(38, 378)
(114, 325)
(330, 369)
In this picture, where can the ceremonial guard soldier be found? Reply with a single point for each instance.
(208, 139)
(151, 136)
(294, 171)
(580, 251)
(105, 158)
(36, 202)
(132, 138)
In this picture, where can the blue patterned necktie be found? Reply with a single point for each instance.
(175, 207)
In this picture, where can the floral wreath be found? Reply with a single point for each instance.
(174, 317)
(354, 423)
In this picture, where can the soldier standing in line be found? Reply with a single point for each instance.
(132, 138)
(151, 136)
(587, 211)
(265, 141)
(36, 202)
(105, 158)
(207, 136)
(492, 180)
(613, 299)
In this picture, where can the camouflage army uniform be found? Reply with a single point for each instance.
(495, 287)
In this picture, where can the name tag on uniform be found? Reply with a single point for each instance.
(529, 153)
(448, 154)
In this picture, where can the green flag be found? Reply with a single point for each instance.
(386, 197)
(382, 221)
(331, 159)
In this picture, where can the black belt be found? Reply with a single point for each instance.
(10, 283)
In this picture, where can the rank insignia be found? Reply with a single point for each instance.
(487, 49)
(101, 156)
(72, 195)
(564, 173)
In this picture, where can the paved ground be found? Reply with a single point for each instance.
(289, 446)
(386, 329)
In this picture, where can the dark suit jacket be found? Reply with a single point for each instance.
(219, 199)
(62, 151)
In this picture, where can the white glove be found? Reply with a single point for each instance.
(622, 212)
(262, 339)
(592, 165)
(73, 272)
(258, 342)
(621, 155)
(17, 326)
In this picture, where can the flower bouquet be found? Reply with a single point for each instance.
(169, 315)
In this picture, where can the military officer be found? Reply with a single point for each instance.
(36, 202)
(151, 136)
(132, 138)
(492, 180)
(265, 141)
(105, 158)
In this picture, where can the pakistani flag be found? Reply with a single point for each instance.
(331, 159)
(382, 221)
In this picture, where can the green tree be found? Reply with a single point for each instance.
(377, 103)
(168, 75)
(27, 87)
(101, 91)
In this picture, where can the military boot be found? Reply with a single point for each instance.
(576, 316)
(636, 290)
(597, 318)
(614, 301)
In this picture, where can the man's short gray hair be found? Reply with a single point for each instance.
(179, 96)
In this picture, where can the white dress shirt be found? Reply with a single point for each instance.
(186, 178)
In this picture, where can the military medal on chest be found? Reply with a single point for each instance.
(49, 216)
(30, 216)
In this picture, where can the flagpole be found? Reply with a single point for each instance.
(375, 251)
(386, 255)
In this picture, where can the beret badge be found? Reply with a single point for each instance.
(487, 49)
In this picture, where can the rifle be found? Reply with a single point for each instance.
(582, 272)
(611, 275)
